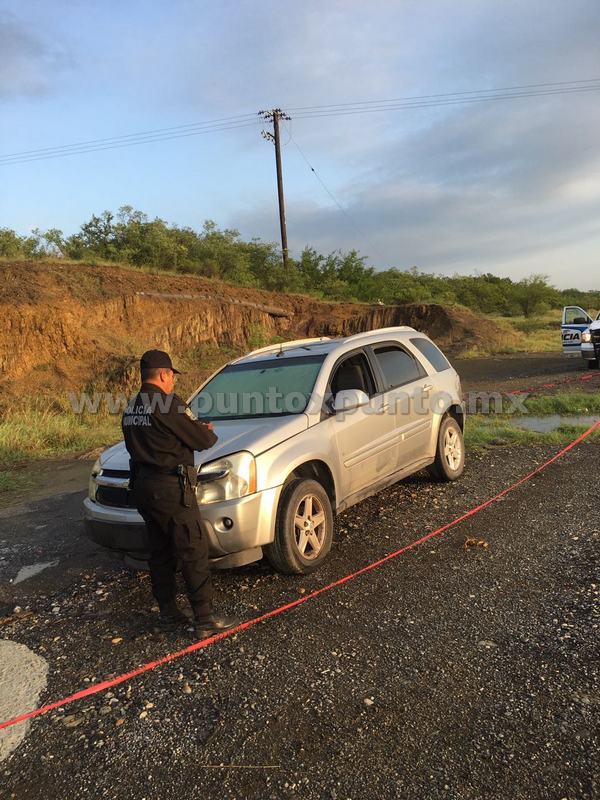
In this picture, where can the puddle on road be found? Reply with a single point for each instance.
(553, 422)
(32, 569)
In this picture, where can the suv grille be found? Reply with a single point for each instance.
(114, 497)
(116, 473)
(596, 337)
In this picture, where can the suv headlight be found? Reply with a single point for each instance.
(586, 336)
(92, 485)
(227, 478)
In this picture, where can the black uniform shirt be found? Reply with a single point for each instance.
(161, 431)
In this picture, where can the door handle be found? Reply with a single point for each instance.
(428, 387)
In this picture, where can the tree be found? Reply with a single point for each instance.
(55, 242)
(11, 244)
(534, 295)
(98, 236)
(130, 236)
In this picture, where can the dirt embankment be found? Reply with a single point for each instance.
(67, 325)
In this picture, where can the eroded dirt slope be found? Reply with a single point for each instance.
(65, 325)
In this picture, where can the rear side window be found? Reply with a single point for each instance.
(398, 366)
(432, 353)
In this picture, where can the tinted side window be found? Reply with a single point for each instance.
(353, 373)
(432, 353)
(398, 366)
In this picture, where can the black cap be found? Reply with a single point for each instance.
(157, 359)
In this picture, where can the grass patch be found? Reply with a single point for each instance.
(259, 338)
(35, 431)
(12, 482)
(484, 432)
(564, 403)
(540, 334)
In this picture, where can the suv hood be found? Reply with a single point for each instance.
(254, 435)
(595, 326)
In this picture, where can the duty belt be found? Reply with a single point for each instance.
(157, 470)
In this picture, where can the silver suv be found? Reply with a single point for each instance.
(306, 429)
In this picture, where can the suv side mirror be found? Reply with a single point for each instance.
(348, 399)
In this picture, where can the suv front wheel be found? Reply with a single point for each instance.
(304, 528)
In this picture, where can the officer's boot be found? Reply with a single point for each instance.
(171, 616)
(206, 625)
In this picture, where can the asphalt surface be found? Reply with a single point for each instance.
(451, 671)
(521, 371)
(519, 365)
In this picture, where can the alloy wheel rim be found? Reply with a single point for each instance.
(309, 527)
(452, 449)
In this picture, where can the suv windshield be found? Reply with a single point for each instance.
(271, 388)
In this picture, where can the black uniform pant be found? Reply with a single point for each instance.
(174, 533)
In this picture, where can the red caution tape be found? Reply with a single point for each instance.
(588, 376)
(100, 687)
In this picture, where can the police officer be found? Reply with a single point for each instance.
(161, 434)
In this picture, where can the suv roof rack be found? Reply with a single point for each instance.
(276, 348)
(395, 329)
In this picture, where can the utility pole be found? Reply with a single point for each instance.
(274, 115)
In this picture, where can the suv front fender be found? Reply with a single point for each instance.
(274, 466)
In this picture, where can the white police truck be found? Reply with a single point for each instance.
(581, 335)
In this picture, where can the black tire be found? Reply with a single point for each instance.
(286, 553)
(135, 564)
(592, 364)
(447, 467)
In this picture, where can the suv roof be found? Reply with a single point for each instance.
(322, 345)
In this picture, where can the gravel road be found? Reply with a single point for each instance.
(476, 371)
(450, 672)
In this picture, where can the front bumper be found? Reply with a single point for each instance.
(589, 352)
(252, 525)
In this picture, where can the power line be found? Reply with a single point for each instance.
(307, 112)
(334, 198)
(407, 105)
(573, 84)
(130, 143)
(156, 131)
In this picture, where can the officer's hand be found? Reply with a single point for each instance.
(209, 425)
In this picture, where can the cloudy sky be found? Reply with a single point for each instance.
(509, 186)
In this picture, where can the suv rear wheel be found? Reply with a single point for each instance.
(450, 456)
(304, 528)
